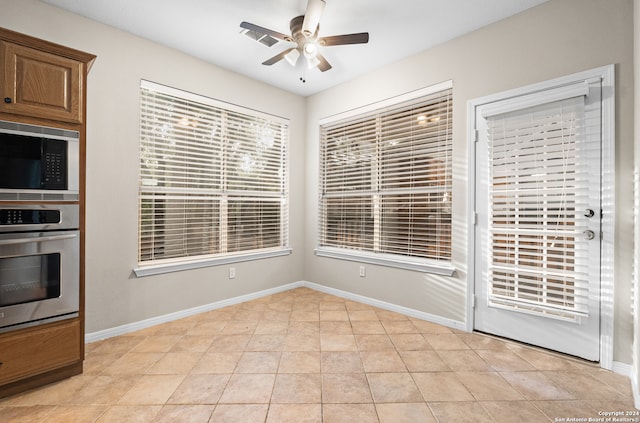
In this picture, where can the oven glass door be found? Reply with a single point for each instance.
(29, 278)
(39, 277)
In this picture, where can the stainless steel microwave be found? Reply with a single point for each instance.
(38, 163)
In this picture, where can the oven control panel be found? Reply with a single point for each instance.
(28, 217)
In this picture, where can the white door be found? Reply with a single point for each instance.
(538, 231)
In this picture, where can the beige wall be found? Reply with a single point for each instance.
(114, 295)
(552, 40)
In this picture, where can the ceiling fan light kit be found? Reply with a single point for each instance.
(304, 33)
(310, 49)
(292, 56)
(312, 62)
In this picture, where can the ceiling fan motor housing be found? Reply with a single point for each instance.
(296, 30)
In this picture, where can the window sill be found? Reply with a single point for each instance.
(406, 263)
(180, 265)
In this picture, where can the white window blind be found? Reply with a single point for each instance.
(537, 189)
(213, 178)
(385, 180)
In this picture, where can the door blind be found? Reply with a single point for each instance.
(213, 179)
(537, 192)
(385, 180)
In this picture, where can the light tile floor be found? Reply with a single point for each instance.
(305, 356)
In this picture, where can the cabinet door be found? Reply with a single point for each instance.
(31, 352)
(40, 84)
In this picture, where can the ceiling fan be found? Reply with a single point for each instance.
(304, 33)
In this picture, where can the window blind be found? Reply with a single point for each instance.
(213, 177)
(385, 180)
(537, 190)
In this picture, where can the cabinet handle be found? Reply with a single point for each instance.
(8, 100)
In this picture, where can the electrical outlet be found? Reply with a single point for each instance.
(363, 272)
(232, 273)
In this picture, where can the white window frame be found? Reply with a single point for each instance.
(155, 267)
(607, 75)
(439, 267)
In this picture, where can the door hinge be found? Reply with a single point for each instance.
(476, 135)
(475, 218)
(473, 302)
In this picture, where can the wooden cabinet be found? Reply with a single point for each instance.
(44, 83)
(42, 80)
(40, 84)
(37, 350)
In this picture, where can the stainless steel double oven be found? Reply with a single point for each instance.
(39, 225)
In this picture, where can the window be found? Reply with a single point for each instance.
(213, 182)
(385, 182)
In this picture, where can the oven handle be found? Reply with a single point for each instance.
(38, 239)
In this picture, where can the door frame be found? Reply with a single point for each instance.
(607, 75)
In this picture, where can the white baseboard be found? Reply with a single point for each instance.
(143, 324)
(635, 384)
(622, 368)
(387, 306)
(632, 373)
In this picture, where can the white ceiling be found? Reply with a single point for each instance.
(209, 30)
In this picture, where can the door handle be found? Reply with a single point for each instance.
(36, 239)
(589, 234)
(589, 213)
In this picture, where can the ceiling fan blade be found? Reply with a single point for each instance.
(337, 40)
(312, 17)
(277, 57)
(261, 30)
(323, 65)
